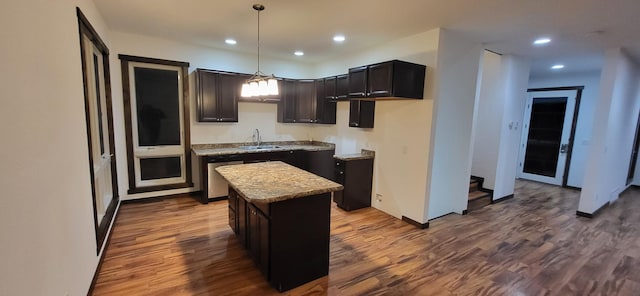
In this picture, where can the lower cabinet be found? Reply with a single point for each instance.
(287, 240)
(258, 240)
(357, 178)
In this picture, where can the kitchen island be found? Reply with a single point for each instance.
(281, 215)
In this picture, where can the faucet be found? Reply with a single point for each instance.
(256, 137)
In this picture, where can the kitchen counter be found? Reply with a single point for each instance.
(312, 156)
(237, 148)
(267, 182)
(281, 214)
(365, 154)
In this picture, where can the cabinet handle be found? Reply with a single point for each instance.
(341, 173)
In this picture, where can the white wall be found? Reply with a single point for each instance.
(402, 128)
(251, 115)
(608, 157)
(586, 113)
(456, 83)
(515, 75)
(488, 119)
(499, 117)
(47, 237)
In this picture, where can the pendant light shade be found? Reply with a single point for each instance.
(259, 84)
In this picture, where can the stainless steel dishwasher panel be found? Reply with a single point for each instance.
(217, 184)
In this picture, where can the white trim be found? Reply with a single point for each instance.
(140, 152)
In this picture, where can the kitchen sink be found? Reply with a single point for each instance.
(259, 147)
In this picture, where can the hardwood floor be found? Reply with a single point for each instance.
(533, 244)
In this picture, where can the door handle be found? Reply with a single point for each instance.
(564, 148)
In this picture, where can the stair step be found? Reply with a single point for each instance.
(479, 202)
(477, 194)
(473, 185)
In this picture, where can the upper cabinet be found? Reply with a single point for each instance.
(388, 80)
(217, 95)
(303, 101)
(342, 87)
(336, 88)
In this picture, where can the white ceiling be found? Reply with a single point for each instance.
(581, 29)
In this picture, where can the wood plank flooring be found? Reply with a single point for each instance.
(533, 244)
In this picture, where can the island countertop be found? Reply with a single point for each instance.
(267, 182)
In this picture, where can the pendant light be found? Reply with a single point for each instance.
(259, 84)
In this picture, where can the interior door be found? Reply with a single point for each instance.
(546, 135)
(98, 123)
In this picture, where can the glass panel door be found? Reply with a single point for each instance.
(546, 136)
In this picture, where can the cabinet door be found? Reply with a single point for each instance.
(305, 104)
(319, 108)
(380, 80)
(206, 96)
(259, 239)
(361, 113)
(342, 87)
(287, 104)
(358, 82)
(229, 91)
(330, 89)
(241, 219)
(319, 163)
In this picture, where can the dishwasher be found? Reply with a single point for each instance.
(218, 186)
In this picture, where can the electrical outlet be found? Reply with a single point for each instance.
(379, 197)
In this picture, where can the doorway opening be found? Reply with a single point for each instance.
(547, 136)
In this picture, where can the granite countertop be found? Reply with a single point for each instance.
(236, 148)
(365, 154)
(267, 182)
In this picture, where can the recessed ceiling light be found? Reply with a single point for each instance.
(299, 53)
(338, 38)
(541, 41)
(557, 67)
(230, 41)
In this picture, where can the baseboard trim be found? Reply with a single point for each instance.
(219, 198)
(155, 198)
(573, 188)
(504, 198)
(596, 213)
(104, 251)
(415, 223)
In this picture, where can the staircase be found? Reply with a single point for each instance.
(477, 198)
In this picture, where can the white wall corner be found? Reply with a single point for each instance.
(458, 62)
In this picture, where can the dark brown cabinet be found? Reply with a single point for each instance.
(342, 87)
(318, 162)
(356, 175)
(392, 79)
(305, 101)
(291, 157)
(287, 105)
(324, 109)
(287, 240)
(217, 95)
(361, 113)
(330, 84)
(258, 238)
(300, 103)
